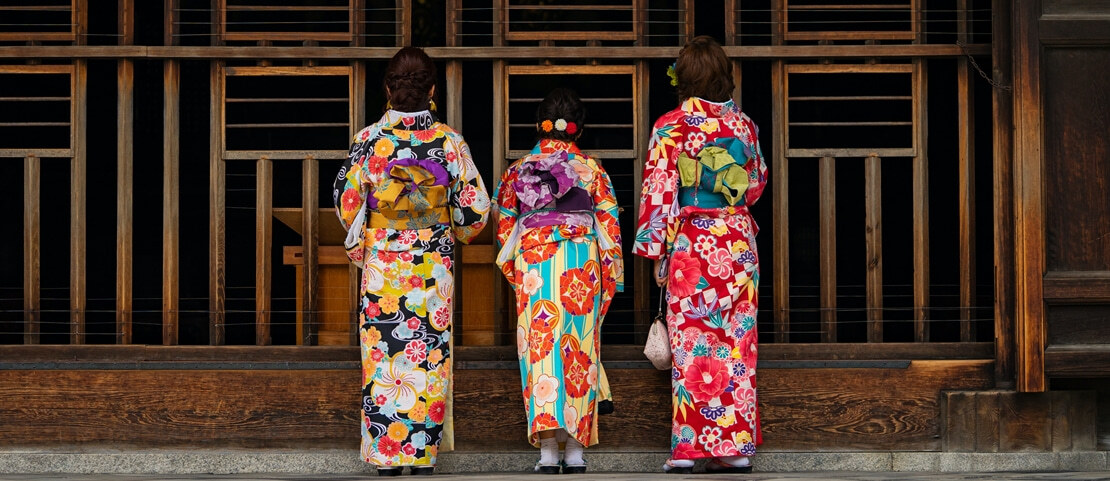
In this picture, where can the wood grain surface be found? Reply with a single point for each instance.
(827, 409)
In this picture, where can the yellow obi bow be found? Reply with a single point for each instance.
(729, 177)
(414, 189)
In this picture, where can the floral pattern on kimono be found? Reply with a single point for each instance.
(704, 169)
(560, 248)
(408, 191)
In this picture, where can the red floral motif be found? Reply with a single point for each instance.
(416, 351)
(579, 289)
(719, 263)
(468, 195)
(436, 411)
(451, 156)
(543, 422)
(412, 323)
(577, 373)
(388, 447)
(706, 378)
(372, 310)
(409, 449)
(584, 428)
(377, 164)
(684, 275)
(351, 200)
(540, 253)
(424, 135)
(686, 451)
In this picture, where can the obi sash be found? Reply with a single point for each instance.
(716, 178)
(412, 196)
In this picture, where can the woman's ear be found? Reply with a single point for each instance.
(432, 92)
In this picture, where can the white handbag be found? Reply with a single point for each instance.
(658, 346)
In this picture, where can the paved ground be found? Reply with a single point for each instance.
(829, 476)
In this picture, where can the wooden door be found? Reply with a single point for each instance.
(1062, 189)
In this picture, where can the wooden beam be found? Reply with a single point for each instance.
(1002, 190)
(78, 296)
(764, 52)
(827, 214)
(921, 204)
(217, 235)
(873, 207)
(310, 241)
(780, 209)
(125, 108)
(263, 248)
(171, 200)
(32, 274)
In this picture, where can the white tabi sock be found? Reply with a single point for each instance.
(573, 454)
(549, 451)
(737, 461)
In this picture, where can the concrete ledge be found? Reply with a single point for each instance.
(232, 461)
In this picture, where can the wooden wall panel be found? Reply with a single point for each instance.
(1077, 159)
(801, 408)
(193, 408)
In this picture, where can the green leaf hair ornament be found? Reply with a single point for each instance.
(671, 73)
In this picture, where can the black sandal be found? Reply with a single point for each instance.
(389, 471)
(546, 468)
(422, 470)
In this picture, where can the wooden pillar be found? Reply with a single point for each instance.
(310, 241)
(171, 201)
(920, 204)
(125, 78)
(1029, 201)
(404, 24)
(32, 184)
(643, 277)
(217, 281)
(873, 205)
(1003, 194)
(781, 203)
(263, 248)
(827, 212)
(78, 296)
(966, 140)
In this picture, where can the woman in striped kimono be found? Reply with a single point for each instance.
(407, 193)
(561, 250)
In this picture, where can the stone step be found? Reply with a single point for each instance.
(335, 461)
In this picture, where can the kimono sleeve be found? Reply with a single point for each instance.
(757, 171)
(606, 211)
(469, 200)
(659, 196)
(507, 213)
(349, 195)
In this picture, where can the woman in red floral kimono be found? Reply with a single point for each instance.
(704, 170)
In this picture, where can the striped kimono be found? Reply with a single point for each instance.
(560, 247)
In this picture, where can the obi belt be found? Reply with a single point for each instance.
(548, 194)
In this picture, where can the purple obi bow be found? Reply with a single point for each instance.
(549, 181)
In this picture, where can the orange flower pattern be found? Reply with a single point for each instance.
(561, 383)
